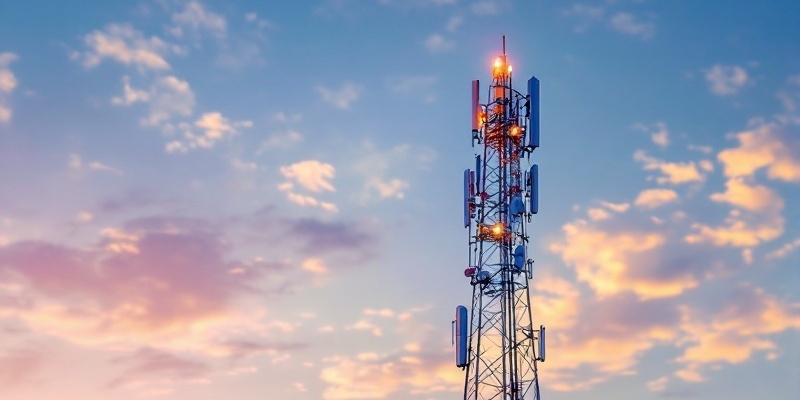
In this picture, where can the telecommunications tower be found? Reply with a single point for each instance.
(496, 342)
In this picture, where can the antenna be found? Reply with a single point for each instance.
(495, 341)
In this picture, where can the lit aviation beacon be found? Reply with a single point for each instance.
(495, 341)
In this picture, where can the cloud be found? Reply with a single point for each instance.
(374, 166)
(485, 7)
(393, 188)
(673, 173)
(197, 18)
(437, 43)
(311, 174)
(76, 163)
(163, 280)
(453, 23)
(725, 80)
(585, 15)
(372, 375)
(628, 24)
(213, 127)
(749, 197)
(652, 198)
(305, 200)
(130, 95)
(19, 366)
(615, 257)
(419, 366)
(758, 218)
(167, 97)
(784, 250)
(315, 266)
(739, 230)
(125, 45)
(413, 86)
(659, 133)
(153, 363)
(734, 332)
(774, 146)
(341, 98)
(320, 238)
(589, 329)
(281, 140)
(8, 82)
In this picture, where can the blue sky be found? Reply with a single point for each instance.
(243, 199)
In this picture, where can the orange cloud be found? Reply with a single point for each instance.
(653, 198)
(750, 197)
(735, 333)
(673, 173)
(767, 145)
(612, 262)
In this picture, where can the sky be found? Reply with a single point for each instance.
(262, 199)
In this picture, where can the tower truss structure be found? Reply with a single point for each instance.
(496, 342)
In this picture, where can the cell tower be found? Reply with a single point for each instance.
(496, 343)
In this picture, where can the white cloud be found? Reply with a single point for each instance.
(437, 43)
(311, 174)
(243, 166)
(375, 166)
(76, 162)
(628, 24)
(341, 98)
(127, 46)
(726, 80)
(281, 140)
(130, 95)
(196, 17)
(421, 86)
(167, 96)
(453, 23)
(784, 250)
(584, 15)
(392, 188)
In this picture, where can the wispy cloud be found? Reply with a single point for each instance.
(340, 98)
(125, 45)
(167, 97)
(8, 82)
(631, 25)
(726, 80)
(437, 43)
(196, 18)
(673, 173)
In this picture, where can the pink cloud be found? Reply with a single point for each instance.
(178, 277)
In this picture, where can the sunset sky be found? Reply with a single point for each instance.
(262, 200)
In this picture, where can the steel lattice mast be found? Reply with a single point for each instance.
(501, 348)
